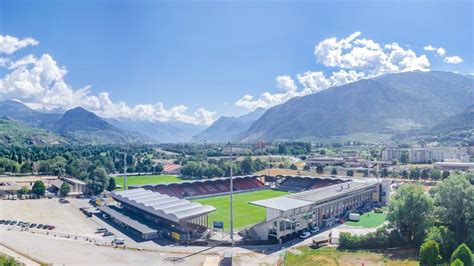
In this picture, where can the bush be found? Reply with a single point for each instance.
(38, 188)
(429, 253)
(463, 253)
(375, 240)
(457, 262)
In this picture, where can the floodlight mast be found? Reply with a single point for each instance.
(125, 171)
(231, 197)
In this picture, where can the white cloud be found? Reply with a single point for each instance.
(353, 59)
(453, 59)
(39, 83)
(9, 44)
(442, 53)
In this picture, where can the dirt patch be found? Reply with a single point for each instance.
(357, 259)
(322, 260)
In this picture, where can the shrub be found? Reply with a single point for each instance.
(429, 253)
(463, 253)
(457, 262)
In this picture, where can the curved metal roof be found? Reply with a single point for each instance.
(164, 206)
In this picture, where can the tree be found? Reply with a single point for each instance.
(436, 174)
(320, 169)
(306, 167)
(23, 190)
(410, 211)
(454, 206)
(445, 174)
(444, 237)
(158, 168)
(415, 174)
(334, 171)
(38, 188)
(463, 253)
(384, 172)
(404, 158)
(98, 180)
(350, 173)
(457, 262)
(112, 184)
(293, 167)
(429, 253)
(64, 189)
(247, 166)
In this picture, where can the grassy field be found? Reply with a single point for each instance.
(244, 213)
(369, 220)
(305, 256)
(147, 179)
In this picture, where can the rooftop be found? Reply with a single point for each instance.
(285, 203)
(143, 229)
(161, 205)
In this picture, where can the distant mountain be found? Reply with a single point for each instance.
(164, 132)
(460, 122)
(17, 133)
(227, 128)
(21, 112)
(388, 104)
(76, 125)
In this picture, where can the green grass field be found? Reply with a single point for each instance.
(147, 179)
(369, 220)
(244, 213)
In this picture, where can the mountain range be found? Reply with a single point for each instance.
(435, 103)
(227, 128)
(388, 104)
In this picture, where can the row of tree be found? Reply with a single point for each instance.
(445, 216)
(222, 167)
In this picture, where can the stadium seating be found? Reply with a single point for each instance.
(295, 183)
(208, 187)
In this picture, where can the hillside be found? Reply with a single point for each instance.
(16, 133)
(164, 132)
(76, 125)
(227, 128)
(385, 105)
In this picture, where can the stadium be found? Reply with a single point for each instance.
(268, 208)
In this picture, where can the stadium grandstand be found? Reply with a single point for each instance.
(301, 183)
(148, 214)
(206, 187)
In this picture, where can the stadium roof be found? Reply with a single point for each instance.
(161, 205)
(281, 203)
(143, 229)
(285, 203)
(329, 192)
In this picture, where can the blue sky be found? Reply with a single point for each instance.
(210, 54)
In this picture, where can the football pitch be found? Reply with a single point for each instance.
(147, 179)
(244, 213)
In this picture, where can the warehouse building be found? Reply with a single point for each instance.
(176, 218)
(320, 207)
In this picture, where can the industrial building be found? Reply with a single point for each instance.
(144, 212)
(293, 213)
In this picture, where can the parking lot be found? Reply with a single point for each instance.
(64, 217)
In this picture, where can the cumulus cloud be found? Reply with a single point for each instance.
(9, 44)
(442, 53)
(453, 59)
(39, 83)
(353, 58)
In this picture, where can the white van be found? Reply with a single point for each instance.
(118, 241)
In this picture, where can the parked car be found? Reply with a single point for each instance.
(33, 225)
(45, 226)
(39, 226)
(315, 230)
(118, 241)
(51, 227)
(305, 235)
(108, 233)
(64, 201)
(101, 230)
(7, 222)
(13, 222)
(2, 221)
